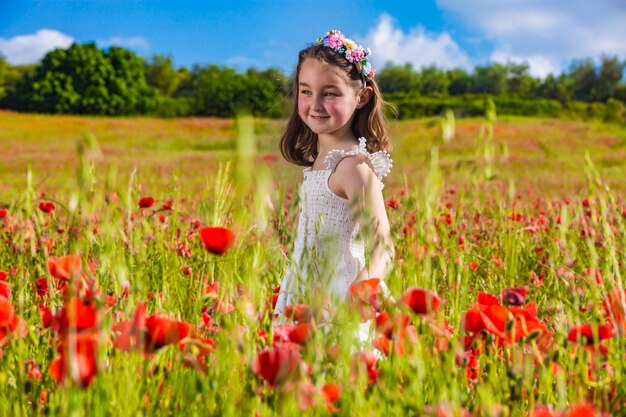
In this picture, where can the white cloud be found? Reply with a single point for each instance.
(28, 49)
(417, 47)
(548, 35)
(131, 42)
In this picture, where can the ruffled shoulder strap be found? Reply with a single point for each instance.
(381, 161)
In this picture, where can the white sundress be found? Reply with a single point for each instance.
(327, 234)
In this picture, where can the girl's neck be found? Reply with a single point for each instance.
(327, 143)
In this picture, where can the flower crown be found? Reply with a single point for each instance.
(354, 53)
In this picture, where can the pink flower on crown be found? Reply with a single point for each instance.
(358, 55)
(335, 40)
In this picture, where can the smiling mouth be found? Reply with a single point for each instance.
(318, 117)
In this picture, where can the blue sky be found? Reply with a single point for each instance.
(547, 34)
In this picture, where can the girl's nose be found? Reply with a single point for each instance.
(317, 102)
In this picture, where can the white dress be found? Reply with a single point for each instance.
(328, 252)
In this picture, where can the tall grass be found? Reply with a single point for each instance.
(455, 240)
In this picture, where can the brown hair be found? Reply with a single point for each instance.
(299, 144)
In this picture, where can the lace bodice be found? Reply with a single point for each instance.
(326, 226)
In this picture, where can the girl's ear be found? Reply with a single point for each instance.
(364, 97)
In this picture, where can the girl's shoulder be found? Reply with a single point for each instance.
(381, 162)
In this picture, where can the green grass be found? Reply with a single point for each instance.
(464, 225)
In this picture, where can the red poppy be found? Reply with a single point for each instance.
(286, 333)
(393, 203)
(7, 316)
(275, 295)
(395, 328)
(420, 300)
(146, 202)
(77, 360)
(41, 286)
(300, 313)
(3, 212)
(217, 240)
(277, 364)
(10, 323)
(581, 410)
(64, 267)
(149, 333)
(514, 296)
(111, 198)
(364, 362)
(543, 411)
(46, 315)
(46, 206)
(364, 297)
(585, 333)
(163, 331)
(76, 315)
(615, 309)
(5, 290)
(331, 394)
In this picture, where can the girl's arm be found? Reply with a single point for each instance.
(358, 181)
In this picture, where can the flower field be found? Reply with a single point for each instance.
(140, 258)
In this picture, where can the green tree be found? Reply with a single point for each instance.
(161, 74)
(611, 73)
(519, 82)
(85, 80)
(584, 80)
(433, 81)
(459, 81)
(398, 79)
(223, 92)
(491, 79)
(555, 88)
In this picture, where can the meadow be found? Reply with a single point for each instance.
(139, 259)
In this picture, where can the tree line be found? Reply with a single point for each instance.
(84, 79)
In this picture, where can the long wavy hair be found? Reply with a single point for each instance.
(299, 143)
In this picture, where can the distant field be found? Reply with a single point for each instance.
(544, 156)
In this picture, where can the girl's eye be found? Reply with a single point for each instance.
(331, 94)
(305, 92)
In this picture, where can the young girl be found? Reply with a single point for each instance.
(338, 131)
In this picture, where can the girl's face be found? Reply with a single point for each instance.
(326, 99)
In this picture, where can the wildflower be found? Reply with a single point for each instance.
(364, 362)
(364, 297)
(46, 207)
(331, 394)
(514, 296)
(293, 333)
(217, 240)
(5, 290)
(615, 309)
(111, 198)
(393, 203)
(277, 364)
(420, 300)
(10, 323)
(77, 360)
(149, 333)
(76, 315)
(146, 202)
(585, 335)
